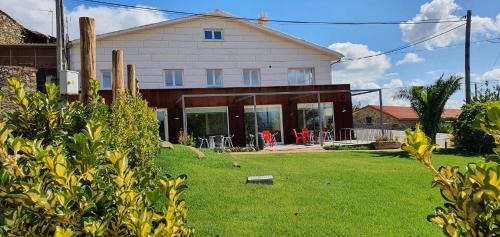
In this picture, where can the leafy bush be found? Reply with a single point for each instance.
(465, 136)
(56, 181)
(134, 128)
(185, 139)
(386, 138)
(472, 198)
(234, 149)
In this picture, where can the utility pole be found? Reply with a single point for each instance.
(467, 57)
(475, 90)
(60, 42)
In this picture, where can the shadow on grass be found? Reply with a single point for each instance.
(392, 154)
(457, 152)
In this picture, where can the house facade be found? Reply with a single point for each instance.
(395, 117)
(228, 60)
(27, 54)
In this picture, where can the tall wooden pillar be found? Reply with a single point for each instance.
(132, 80)
(87, 56)
(117, 74)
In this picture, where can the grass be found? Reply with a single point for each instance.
(314, 194)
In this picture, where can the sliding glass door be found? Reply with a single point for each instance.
(269, 117)
(308, 116)
(161, 116)
(207, 121)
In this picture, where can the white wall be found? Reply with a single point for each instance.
(182, 46)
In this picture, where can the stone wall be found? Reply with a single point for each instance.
(359, 120)
(11, 32)
(25, 74)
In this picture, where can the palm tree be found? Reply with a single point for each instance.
(429, 101)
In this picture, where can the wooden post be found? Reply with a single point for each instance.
(117, 73)
(132, 84)
(87, 56)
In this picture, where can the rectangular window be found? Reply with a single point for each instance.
(214, 77)
(251, 77)
(173, 77)
(308, 116)
(207, 121)
(105, 83)
(269, 117)
(213, 34)
(300, 76)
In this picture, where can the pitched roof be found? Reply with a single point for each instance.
(33, 37)
(218, 13)
(407, 113)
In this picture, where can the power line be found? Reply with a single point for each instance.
(182, 13)
(401, 47)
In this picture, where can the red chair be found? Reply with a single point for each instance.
(268, 137)
(305, 135)
(298, 136)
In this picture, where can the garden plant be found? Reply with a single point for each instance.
(77, 171)
(472, 197)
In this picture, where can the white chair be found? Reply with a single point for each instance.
(228, 141)
(202, 141)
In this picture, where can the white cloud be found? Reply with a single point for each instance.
(359, 72)
(31, 14)
(446, 9)
(493, 74)
(366, 73)
(410, 58)
(111, 19)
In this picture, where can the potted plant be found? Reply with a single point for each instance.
(384, 141)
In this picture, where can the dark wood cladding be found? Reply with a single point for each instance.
(36, 56)
(170, 99)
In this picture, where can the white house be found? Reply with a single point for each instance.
(218, 53)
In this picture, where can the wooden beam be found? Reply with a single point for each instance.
(87, 56)
(131, 79)
(117, 74)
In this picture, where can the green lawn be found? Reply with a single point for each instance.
(314, 194)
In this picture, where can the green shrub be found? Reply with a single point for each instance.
(133, 127)
(465, 136)
(234, 149)
(56, 181)
(472, 197)
(185, 139)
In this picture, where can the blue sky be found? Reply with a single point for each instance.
(422, 68)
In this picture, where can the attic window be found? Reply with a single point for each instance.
(213, 34)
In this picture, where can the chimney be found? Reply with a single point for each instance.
(262, 20)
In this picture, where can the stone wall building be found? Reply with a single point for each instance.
(395, 117)
(29, 53)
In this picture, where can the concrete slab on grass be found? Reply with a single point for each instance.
(266, 179)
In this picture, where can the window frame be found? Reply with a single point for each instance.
(212, 32)
(313, 82)
(102, 71)
(213, 78)
(259, 75)
(165, 71)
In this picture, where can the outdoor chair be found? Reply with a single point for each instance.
(305, 135)
(328, 136)
(202, 141)
(268, 138)
(251, 142)
(228, 141)
(274, 135)
(298, 136)
(218, 141)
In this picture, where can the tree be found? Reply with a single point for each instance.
(429, 101)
